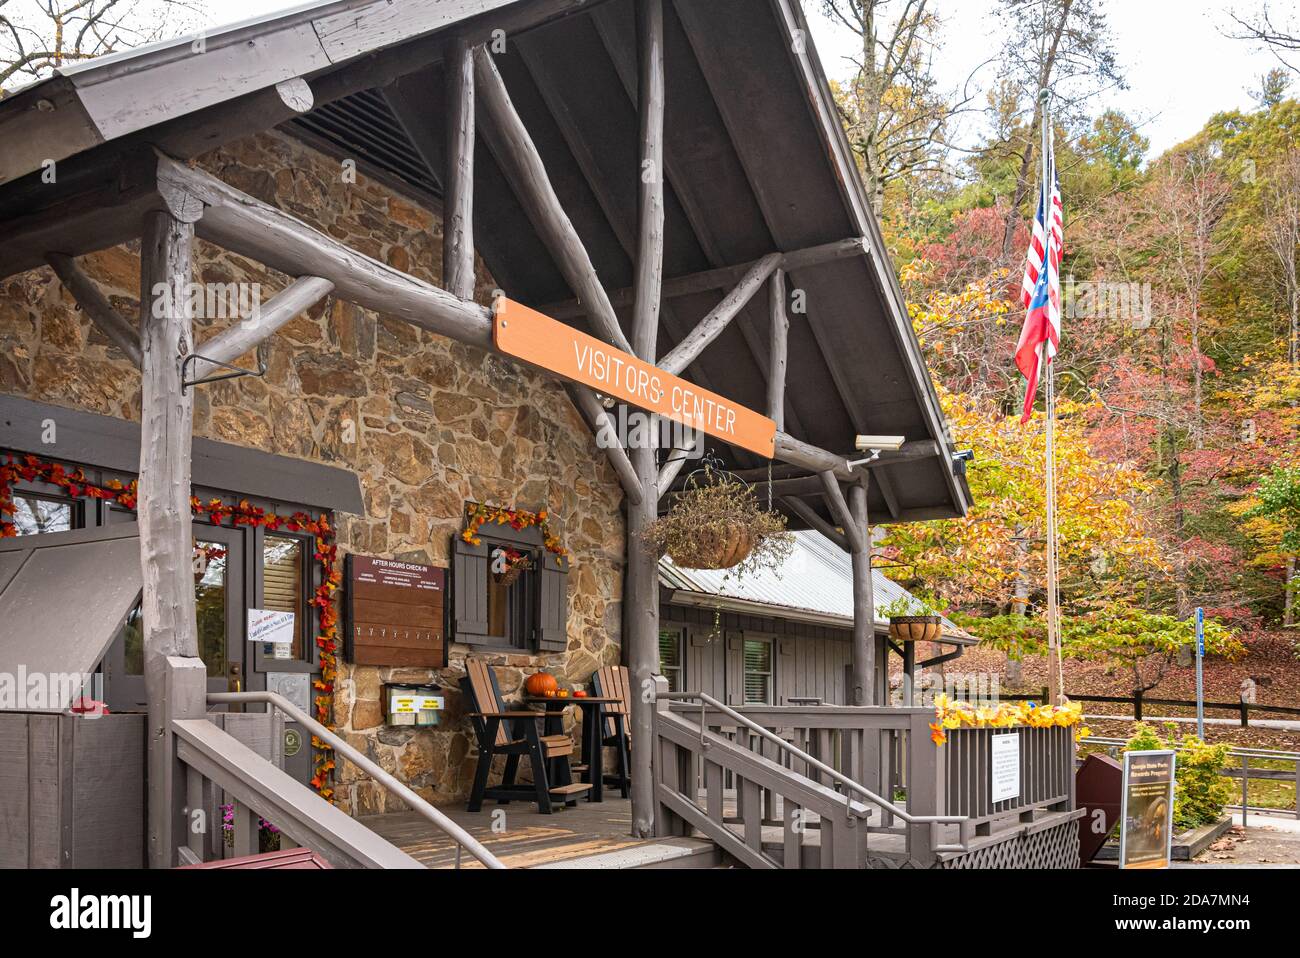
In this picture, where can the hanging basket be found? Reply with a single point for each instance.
(915, 628)
(722, 547)
(518, 564)
(716, 522)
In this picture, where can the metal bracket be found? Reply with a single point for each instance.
(235, 372)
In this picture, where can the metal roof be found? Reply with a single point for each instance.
(816, 578)
(756, 162)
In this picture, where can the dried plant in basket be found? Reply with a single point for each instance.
(717, 523)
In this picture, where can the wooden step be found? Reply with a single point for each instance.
(574, 789)
(579, 768)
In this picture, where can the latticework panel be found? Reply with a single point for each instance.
(1056, 847)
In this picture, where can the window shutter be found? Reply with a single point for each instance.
(552, 632)
(469, 592)
(735, 668)
(786, 670)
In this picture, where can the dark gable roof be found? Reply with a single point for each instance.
(756, 162)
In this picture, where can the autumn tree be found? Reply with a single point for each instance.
(1061, 45)
(896, 116)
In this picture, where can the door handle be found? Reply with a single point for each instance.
(234, 683)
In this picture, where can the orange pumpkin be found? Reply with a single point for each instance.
(540, 683)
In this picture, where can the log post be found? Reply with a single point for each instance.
(166, 534)
(649, 278)
(780, 347)
(863, 691)
(641, 590)
(458, 207)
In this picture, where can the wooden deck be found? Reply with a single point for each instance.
(591, 835)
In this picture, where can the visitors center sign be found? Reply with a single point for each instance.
(537, 339)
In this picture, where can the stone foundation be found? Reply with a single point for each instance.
(425, 422)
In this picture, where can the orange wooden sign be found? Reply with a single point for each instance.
(537, 339)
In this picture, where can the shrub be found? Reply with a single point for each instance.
(1200, 792)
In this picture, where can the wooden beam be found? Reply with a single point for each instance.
(863, 668)
(95, 304)
(246, 335)
(599, 419)
(725, 277)
(887, 491)
(166, 534)
(780, 347)
(799, 453)
(809, 515)
(458, 201)
(522, 165)
(712, 325)
(251, 228)
(649, 264)
(673, 466)
(840, 510)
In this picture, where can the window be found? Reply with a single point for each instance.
(283, 567)
(35, 514)
(758, 672)
(670, 658)
(509, 592)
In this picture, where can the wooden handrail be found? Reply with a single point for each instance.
(414, 801)
(296, 810)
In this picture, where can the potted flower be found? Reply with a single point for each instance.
(913, 620)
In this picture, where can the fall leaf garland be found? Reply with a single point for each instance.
(479, 515)
(243, 514)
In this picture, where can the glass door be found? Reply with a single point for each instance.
(219, 603)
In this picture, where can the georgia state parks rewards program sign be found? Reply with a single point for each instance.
(541, 341)
(1147, 812)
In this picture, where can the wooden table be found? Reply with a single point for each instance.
(592, 752)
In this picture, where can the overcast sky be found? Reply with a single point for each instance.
(1179, 65)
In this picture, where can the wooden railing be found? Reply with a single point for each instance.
(219, 769)
(760, 796)
(906, 798)
(1046, 774)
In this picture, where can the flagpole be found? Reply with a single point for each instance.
(1047, 370)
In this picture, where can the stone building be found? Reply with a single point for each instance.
(426, 424)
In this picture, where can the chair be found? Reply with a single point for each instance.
(515, 733)
(614, 681)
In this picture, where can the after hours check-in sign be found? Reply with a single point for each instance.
(537, 339)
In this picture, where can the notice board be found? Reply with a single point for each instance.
(395, 613)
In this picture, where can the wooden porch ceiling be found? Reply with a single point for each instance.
(752, 163)
(748, 170)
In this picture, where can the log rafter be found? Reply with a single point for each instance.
(711, 326)
(522, 165)
(120, 331)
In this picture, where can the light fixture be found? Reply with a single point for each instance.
(880, 443)
(876, 445)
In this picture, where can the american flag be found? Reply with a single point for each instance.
(1040, 292)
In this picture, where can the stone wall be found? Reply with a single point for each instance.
(426, 423)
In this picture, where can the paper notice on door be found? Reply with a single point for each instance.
(273, 628)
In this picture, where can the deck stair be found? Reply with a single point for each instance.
(766, 787)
